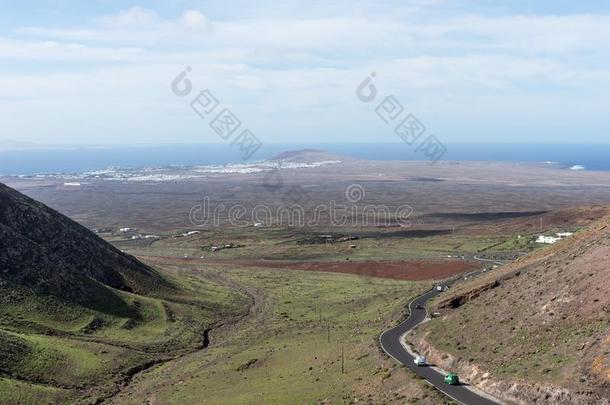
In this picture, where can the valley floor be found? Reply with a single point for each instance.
(289, 349)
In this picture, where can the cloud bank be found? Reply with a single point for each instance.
(290, 72)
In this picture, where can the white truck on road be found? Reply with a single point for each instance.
(420, 361)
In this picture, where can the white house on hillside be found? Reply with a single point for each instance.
(553, 239)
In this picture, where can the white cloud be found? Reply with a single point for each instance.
(131, 17)
(284, 70)
(194, 19)
(52, 50)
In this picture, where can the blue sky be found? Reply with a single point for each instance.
(99, 72)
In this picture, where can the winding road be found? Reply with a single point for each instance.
(390, 341)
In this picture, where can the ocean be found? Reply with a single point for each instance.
(77, 160)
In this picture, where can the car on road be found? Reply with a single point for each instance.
(452, 379)
(420, 361)
(439, 288)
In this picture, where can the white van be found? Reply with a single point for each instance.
(420, 361)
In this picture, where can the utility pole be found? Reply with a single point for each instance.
(327, 333)
(342, 361)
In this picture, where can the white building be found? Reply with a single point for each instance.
(190, 233)
(547, 239)
(553, 239)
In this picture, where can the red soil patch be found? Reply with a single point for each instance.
(431, 269)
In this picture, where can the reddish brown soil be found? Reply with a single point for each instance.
(432, 269)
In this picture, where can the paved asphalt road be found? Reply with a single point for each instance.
(390, 342)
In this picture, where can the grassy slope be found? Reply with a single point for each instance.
(18, 392)
(283, 353)
(68, 348)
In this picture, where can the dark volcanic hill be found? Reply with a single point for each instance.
(46, 252)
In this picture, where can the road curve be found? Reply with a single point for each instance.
(390, 343)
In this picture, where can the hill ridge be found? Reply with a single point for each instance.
(47, 252)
